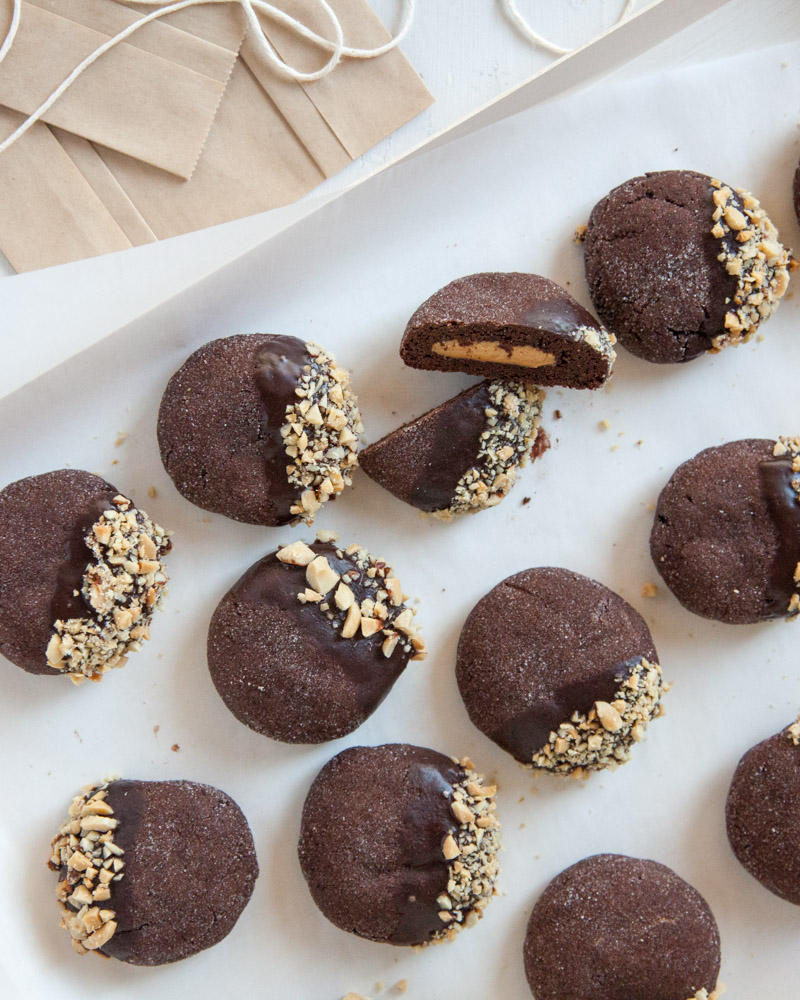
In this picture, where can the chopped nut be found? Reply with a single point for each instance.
(343, 597)
(450, 848)
(352, 622)
(321, 575)
(296, 554)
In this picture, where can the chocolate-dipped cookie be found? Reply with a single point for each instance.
(260, 427)
(399, 843)
(679, 263)
(509, 326)
(152, 871)
(307, 644)
(763, 813)
(559, 671)
(617, 928)
(81, 574)
(463, 456)
(726, 533)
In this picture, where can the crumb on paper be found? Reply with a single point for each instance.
(604, 425)
(649, 590)
(760, 338)
(620, 434)
(78, 735)
(354, 996)
(557, 414)
(401, 985)
(614, 447)
(115, 462)
(152, 492)
(639, 443)
(525, 501)
(651, 506)
(155, 730)
(580, 234)
(121, 436)
(205, 520)
(379, 986)
(175, 747)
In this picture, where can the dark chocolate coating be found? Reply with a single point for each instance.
(726, 533)
(541, 645)
(514, 309)
(617, 928)
(43, 521)
(763, 815)
(652, 268)
(190, 869)
(282, 668)
(796, 192)
(422, 462)
(219, 426)
(371, 837)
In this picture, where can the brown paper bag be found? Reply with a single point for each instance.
(271, 142)
(153, 96)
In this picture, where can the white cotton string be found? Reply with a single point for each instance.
(510, 7)
(337, 48)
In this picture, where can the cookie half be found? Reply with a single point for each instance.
(261, 428)
(81, 574)
(679, 263)
(509, 326)
(307, 644)
(763, 813)
(612, 926)
(463, 456)
(151, 872)
(726, 532)
(559, 671)
(399, 843)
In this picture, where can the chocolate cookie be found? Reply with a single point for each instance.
(509, 326)
(152, 871)
(613, 927)
(763, 813)
(399, 844)
(462, 456)
(559, 671)
(261, 428)
(726, 534)
(679, 263)
(307, 644)
(81, 575)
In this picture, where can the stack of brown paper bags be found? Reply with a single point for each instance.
(181, 126)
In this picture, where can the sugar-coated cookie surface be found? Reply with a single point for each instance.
(307, 644)
(559, 671)
(151, 872)
(679, 263)
(613, 927)
(81, 574)
(259, 427)
(763, 813)
(726, 532)
(462, 456)
(509, 326)
(399, 843)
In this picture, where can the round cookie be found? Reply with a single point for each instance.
(613, 927)
(259, 427)
(559, 671)
(81, 574)
(151, 872)
(399, 843)
(679, 264)
(726, 532)
(509, 326)
(307, 644)
(461, 457)
(763, 813)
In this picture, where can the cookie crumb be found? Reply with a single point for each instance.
(175, 747)
(580, 234)
(649, 590)
(525, 501)
(401, 985)
(604, 425)
(121, 436)
(557, 414)
(152, 492)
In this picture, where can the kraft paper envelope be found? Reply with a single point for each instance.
(152, 97)
(271, 142)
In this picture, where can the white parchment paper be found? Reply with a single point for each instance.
(507, 198)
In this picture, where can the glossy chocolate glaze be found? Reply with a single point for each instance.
(526, 734)
(68, 602)
(277, 369)
(454, 446)
(361, 659)
(776, 477)
(427, 822)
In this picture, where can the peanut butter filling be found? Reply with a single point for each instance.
(494, 352)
